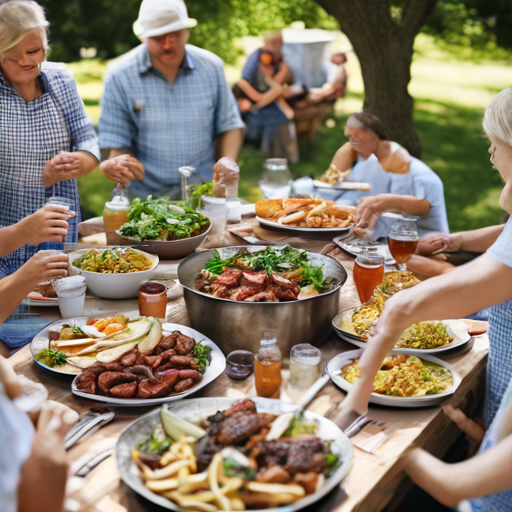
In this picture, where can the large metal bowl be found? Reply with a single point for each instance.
(236, 325)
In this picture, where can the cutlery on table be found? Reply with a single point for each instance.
(250, 239)
(97, 417)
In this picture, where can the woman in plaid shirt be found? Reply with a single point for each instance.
(46, 139)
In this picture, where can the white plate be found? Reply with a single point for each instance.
(213, 370)
(458, 329)
(337, 363)
(196, 409)
(295, 230)
(42, 340)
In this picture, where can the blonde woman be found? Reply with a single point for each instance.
(482, 283)
(46, 139)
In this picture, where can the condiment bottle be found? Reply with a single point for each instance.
(115, 215)
(267, 368)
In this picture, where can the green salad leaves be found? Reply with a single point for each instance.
(288, 262)
(162, 219)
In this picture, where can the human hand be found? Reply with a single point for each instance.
(43, 267)
(439, 244)
(369, 209)
(424, 268)
(48, 224)
(468, 426)
(122, 169)
(226, 174)
(61, 167)
(44, 474)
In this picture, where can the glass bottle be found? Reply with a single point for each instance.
(115, 215)
(276, 181)
(267, 367)
(185, 173)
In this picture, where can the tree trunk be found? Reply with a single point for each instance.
(384, 46)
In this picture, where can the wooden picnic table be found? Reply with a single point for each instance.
(376, 481)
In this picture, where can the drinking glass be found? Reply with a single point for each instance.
(403, 240)
(276, 181)
(368, 273)
(305, 368)
(239, 364)
(72, 236)
(153, 299)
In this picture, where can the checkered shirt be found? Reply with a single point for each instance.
(502, 501)
(164, 126)
(498, 392)
(31, 134)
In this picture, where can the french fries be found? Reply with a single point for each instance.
(212, 490)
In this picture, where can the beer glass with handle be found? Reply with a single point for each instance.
(403, 240)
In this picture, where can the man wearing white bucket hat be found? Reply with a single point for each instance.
(165, 105)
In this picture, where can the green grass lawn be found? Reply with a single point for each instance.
(450, 97)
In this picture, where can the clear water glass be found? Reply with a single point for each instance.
(305, 366)
(70, 238)
(276, 181)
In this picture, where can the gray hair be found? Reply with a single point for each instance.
(16, 19)
(497, 121)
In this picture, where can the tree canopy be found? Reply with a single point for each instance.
(107, 24)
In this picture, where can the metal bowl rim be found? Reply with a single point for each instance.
(267, 304)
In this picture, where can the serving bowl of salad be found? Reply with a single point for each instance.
(113, 272)
(175, 230)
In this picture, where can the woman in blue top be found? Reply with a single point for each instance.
(484, 282)
(46, 139)
(399, 182)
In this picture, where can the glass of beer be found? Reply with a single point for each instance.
(403, 240)
(368, 274)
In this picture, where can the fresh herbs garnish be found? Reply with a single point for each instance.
(156, 444)
(232, 467)
(51, 357)
(77, 330)
(288, 262)
(202, 354)
(195, 192)
(163, 219)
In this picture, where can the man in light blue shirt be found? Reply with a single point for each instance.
(167, 105)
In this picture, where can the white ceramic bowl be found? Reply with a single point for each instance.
(113, 286)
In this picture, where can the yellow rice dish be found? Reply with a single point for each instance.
(406, 376)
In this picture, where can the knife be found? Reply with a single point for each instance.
(94, 461)
(97, 417)
(253, 240)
